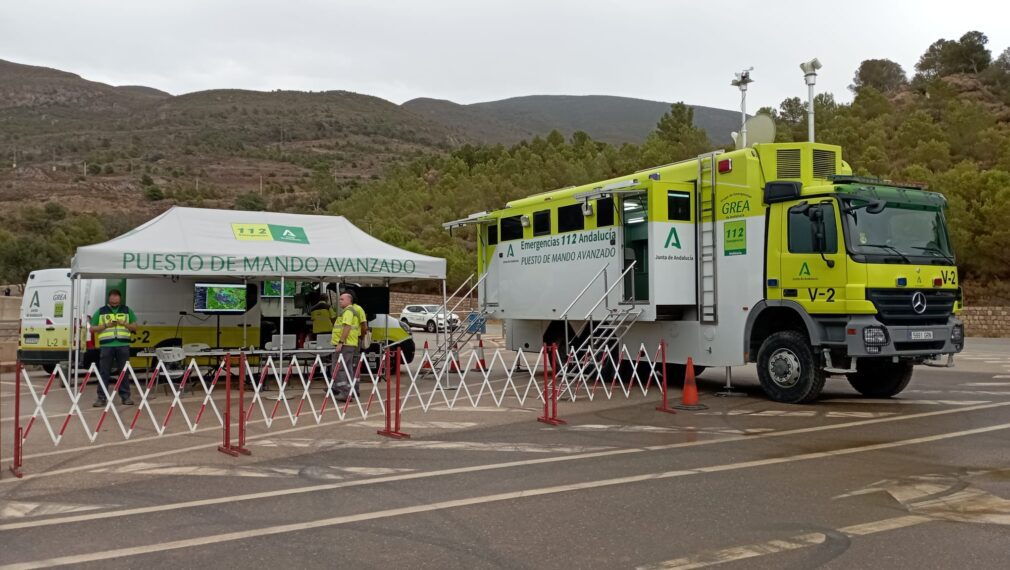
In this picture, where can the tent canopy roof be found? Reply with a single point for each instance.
(201, 242)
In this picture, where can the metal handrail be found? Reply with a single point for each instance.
(602, 270)
(607, 294)
(465, 295)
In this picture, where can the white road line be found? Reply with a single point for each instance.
(859, 414)
(617, 428)
(421, 425)
(522, 494)
(971, 392)
(331, 473)
(476, 468)
(906, 402)
(332, 444)
(1002, 376)
(737, 553)
(18, 509)
(983, 384)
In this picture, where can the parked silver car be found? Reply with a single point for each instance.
(429, 317)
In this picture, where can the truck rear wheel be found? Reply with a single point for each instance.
(880, 378)
(788, 370)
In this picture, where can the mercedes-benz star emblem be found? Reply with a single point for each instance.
(919, 302)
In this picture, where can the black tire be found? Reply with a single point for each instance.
(49, 367)
(880, 378)
(788, 369)
(430, 327)
(675, 373)
(407, 350)
(406, 323)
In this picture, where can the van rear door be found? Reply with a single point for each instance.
(45, 316)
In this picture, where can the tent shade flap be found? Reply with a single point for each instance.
(248, 245)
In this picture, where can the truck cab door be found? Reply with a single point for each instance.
(812, 262)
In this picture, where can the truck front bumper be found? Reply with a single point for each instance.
(867, 337)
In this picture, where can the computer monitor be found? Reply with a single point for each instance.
(272, 289)
(219, 298)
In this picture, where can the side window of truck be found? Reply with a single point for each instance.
(570, 218)
(542, 223)
(802, 228)
(678, 206)
(604, 212)
(511, 228)
(492, 235)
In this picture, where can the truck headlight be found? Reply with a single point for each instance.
(957, 335)
(874, 338)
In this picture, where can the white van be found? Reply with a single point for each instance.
(164, 308)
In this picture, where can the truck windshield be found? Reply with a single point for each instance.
(897, 232)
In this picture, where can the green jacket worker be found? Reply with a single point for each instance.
(114, 324)
(346, 336)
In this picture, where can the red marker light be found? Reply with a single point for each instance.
(937, 282)
(725, 165)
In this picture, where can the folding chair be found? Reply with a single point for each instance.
(174, 358)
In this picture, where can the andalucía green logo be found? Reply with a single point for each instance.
(672, 239)
(34, 304)
(804, 269)
(510, 252)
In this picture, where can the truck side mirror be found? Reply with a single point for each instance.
(816, 216)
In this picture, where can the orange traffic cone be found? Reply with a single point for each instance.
(689, 397)
(481, 363)
(454, 358)
(426, 358)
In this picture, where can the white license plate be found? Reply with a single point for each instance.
(31, 340)
(922, 335)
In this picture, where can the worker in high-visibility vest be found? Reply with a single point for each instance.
(346, 333)
(114, 324)
(362, 324)
(319, 314)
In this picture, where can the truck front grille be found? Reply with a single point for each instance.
(894, 306)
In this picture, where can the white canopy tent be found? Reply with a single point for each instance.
(250, 246)
(253, 245)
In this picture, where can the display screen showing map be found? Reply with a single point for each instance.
(219, 298)
(273, 288)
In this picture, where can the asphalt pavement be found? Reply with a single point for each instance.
(921, 480)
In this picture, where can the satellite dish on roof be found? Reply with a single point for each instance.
(760, 129)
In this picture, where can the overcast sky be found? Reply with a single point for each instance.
(481, 50)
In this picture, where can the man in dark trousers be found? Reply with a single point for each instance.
(114, 324)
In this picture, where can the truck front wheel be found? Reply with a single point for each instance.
(880, 378)
(788, 370)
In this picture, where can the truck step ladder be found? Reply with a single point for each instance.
(603, 341)
(463, 334)
(466, 330)
(706, 239)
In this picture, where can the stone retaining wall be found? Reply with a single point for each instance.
(986, 321)
(397, 301)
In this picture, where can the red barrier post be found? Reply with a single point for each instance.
(392, 428)
(242, 419)
(665, 406)
(550, 416)
(225, 446)
(18, 440)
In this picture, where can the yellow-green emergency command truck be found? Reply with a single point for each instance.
(774, 254)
